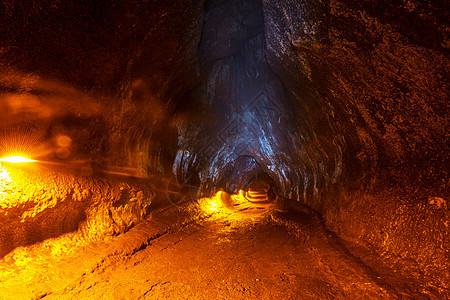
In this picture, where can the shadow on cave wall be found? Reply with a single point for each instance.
(65, 217)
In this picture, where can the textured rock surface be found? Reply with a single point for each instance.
(44, 204)
(371, 89)
(371, 81)
(206, 250)
(341, 105)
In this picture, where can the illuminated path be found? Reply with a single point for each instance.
(204, 251)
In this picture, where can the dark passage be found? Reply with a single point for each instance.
(241, 102)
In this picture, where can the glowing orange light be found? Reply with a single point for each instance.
(213, 204)
(16, 159)
(4, 176)
(7, 186)
(213, 207)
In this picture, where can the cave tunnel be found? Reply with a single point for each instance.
(251, 149)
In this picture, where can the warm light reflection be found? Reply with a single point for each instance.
(234, 208)
(16, 159)
(3, 174)
(7, 185)
(213, 204)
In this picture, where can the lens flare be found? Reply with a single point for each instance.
(16, 159)
(21, 140)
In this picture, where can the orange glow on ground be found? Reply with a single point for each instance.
(211, 205)
(233, 207)
(16, 159)
(215, 204)
(7, 185)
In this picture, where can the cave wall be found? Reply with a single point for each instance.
(39, 204)
(354, 122)
(245, 108)
(108, 75)
(371, 79)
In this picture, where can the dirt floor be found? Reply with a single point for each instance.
(216, 248)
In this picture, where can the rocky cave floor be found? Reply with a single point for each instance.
(124, 246)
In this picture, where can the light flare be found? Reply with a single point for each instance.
(20, 140)
(16, 159)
